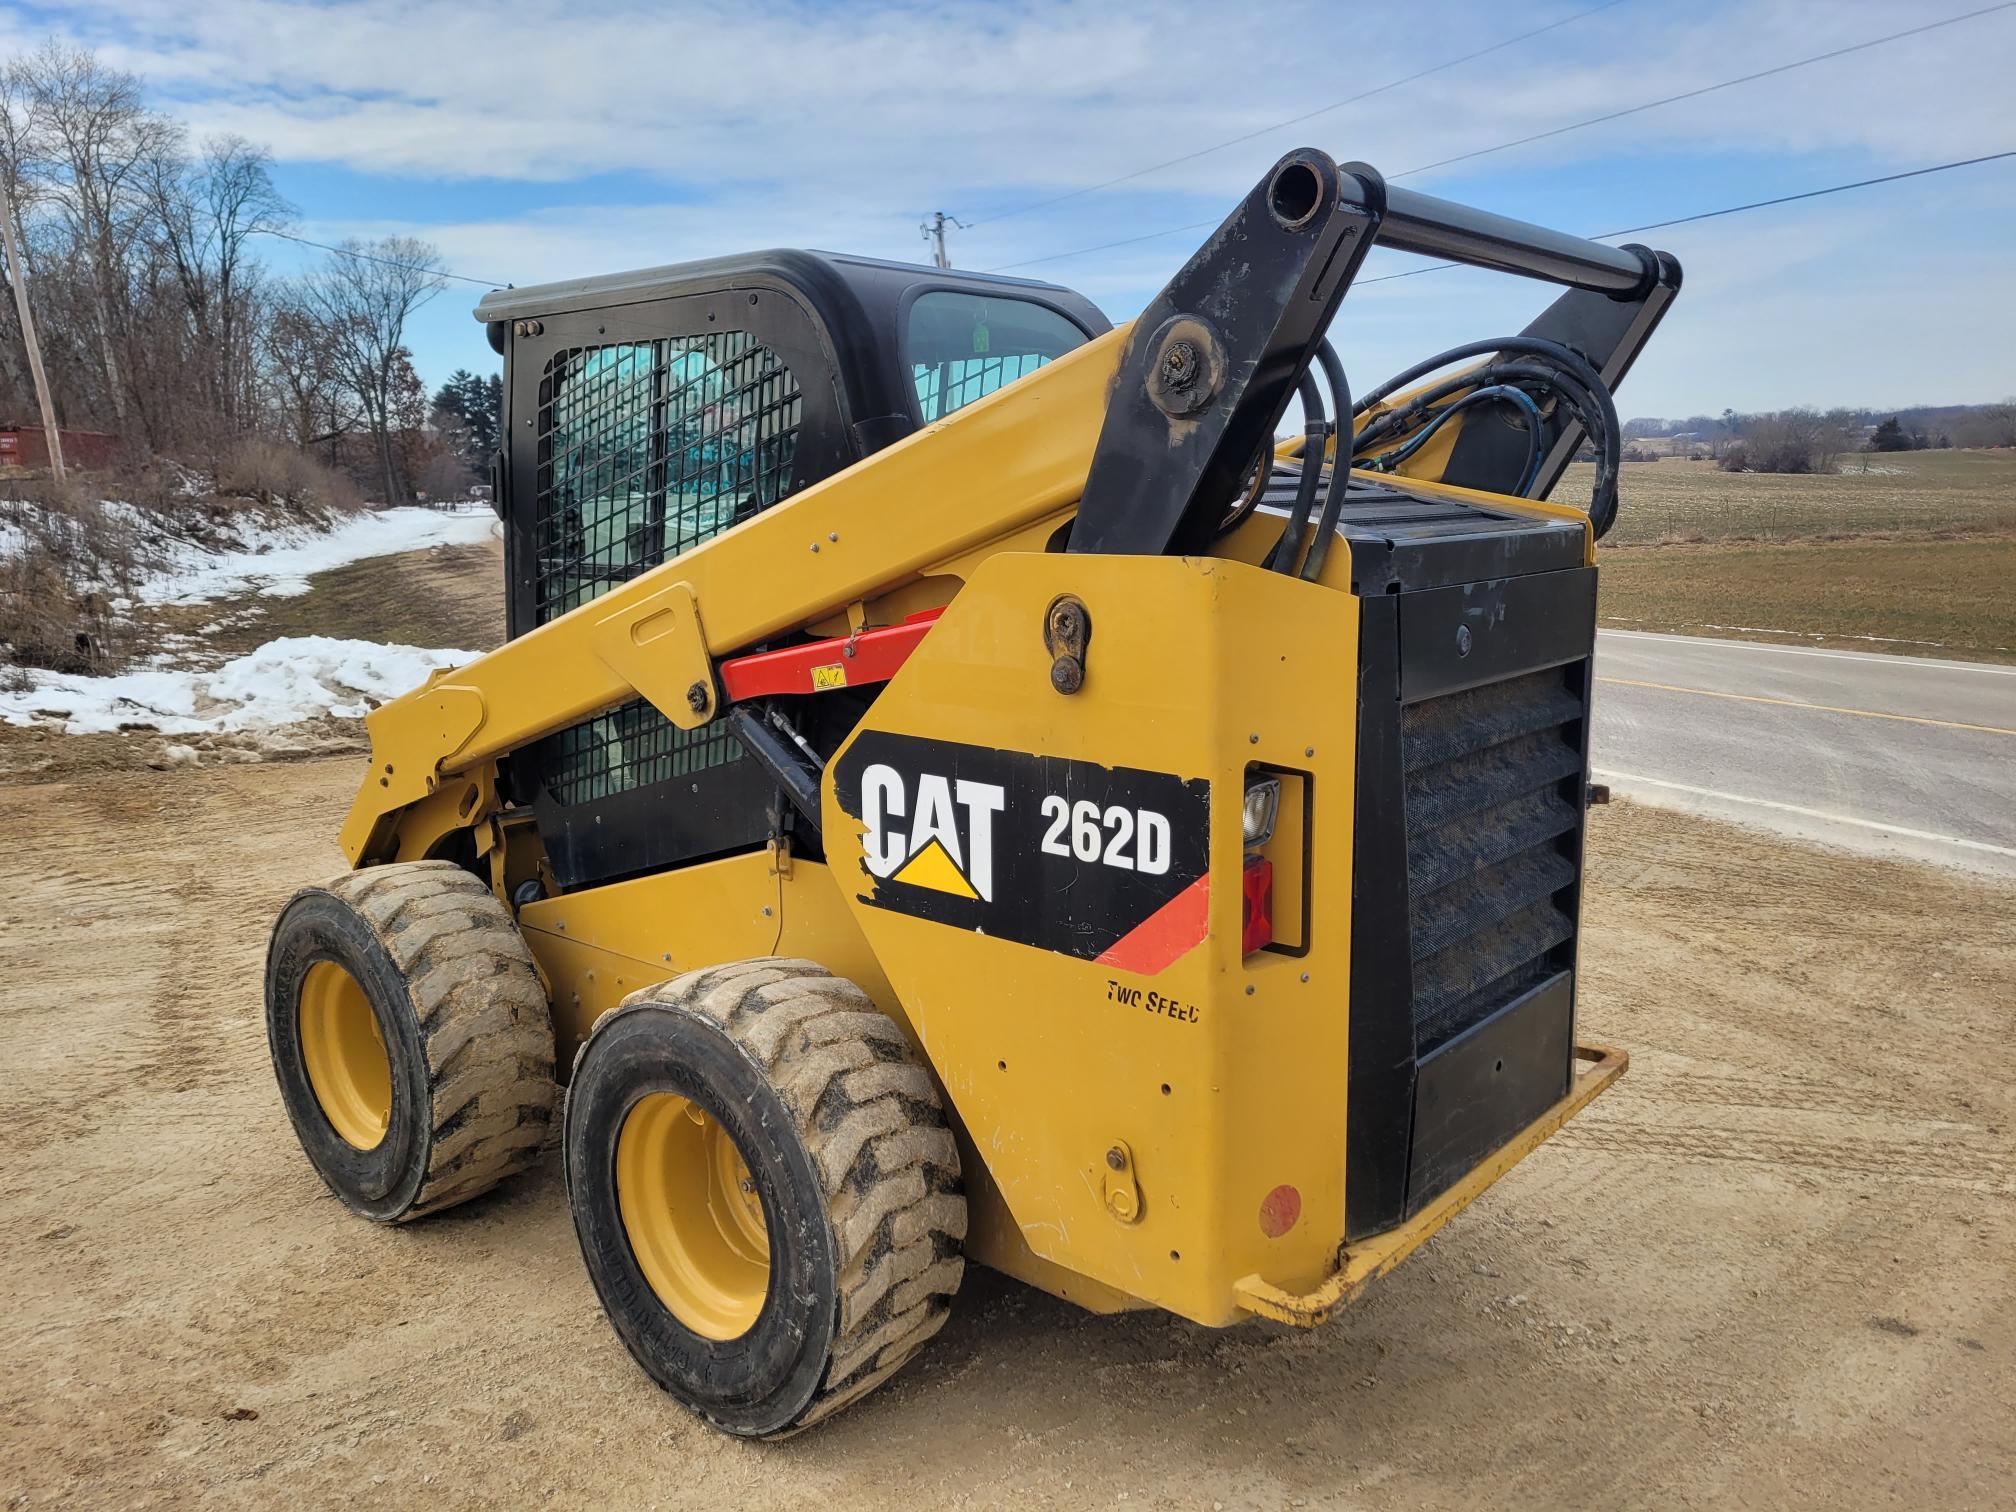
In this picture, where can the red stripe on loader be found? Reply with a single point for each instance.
(1166, 935)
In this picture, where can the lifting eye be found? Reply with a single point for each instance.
(1294, 195)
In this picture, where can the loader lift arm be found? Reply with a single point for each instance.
(1144, 436)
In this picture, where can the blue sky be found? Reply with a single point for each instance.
(543, 140)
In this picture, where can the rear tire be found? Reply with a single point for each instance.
(410, 1036)
(842, 1144)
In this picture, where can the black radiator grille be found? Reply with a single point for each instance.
(1492, 822)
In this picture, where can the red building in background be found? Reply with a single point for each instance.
(26, 446)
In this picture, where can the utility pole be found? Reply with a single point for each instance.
(933, 231)
(18, 276)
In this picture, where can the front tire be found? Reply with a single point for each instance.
(410, 1036)
(766, 1192)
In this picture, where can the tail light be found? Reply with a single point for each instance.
(1257, 905)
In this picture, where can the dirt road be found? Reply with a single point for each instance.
(1776, 1267)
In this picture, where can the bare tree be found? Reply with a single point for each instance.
(90, 139)
(206, 213)
(1790, 441)
(363, 297)
(1989, 425)
(299, 356)
(158, 319)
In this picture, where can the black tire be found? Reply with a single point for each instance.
(844, 1137)
(462, 1020)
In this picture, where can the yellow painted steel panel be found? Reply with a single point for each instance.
(1224, 1078)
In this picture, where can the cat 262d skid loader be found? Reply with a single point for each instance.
(959, 789)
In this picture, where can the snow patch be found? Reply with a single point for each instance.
(245, 553)
(278, 560)
(284, 682)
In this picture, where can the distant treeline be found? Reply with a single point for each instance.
(1871, 429)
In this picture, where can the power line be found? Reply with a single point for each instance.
(1310, 115)
(1558, 130)
(1125, 241)
(487, 283)
(1695, 94)
(1786, 199)
(1763, 204)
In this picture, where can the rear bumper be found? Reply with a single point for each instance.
(1597, 1068)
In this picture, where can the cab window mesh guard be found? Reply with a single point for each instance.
(943, 387)
(646, 449)
(962, 347)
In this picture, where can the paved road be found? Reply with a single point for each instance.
(1893, 754)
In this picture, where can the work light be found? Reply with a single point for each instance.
(1261, 808)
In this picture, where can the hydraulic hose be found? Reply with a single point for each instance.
(1340, 471)
(1315, 441)
(1333, 374)
(1263, 473)
(1597, 406)
(1422, 405)
(1492, 393)
(1535, 346)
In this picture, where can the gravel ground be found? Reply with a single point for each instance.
(1773, 1268)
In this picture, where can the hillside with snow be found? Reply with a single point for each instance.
(200, 573)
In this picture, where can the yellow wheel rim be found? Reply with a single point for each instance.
(345, 1055)
(692, 1215)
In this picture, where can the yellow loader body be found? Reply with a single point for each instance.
(898, 647)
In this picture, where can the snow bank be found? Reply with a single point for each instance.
(283, 682)
(278, 560)
(255, 555)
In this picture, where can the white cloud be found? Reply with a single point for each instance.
(778, 122)
(917, 101)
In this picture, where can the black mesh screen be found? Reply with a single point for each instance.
(630, 747)
(646, 449)
(943, 387)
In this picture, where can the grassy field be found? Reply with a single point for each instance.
(1918, 598)
(1915, 556)
(1921, 494)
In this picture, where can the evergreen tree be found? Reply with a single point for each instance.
(1891, 436)
(477, 403)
